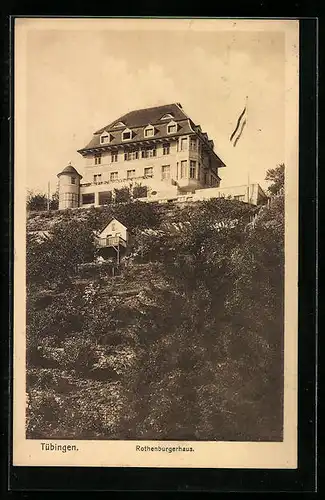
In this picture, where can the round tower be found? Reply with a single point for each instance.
(69, 187)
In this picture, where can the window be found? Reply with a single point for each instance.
(239, 197)
(214, 182)
(98, 159)
(167, 116)
(148, 172)
(113, 176)
(126, 135)
(192, 169)
(172, 129)
(73, 180)
(183, 143)
(88, 199)
(113, 226)
(166, 149)
(105, 198)
(149, 131)
(165, 172)
(130, 174)
(131, 155)
(148, 153)
(193, 144)
(104, 138)
(114, 157)
(97, 178)
(183, 169)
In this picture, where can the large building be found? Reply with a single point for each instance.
(159, 153)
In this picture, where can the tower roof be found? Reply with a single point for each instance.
(69, 169)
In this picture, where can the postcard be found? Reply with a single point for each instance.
(155, 242)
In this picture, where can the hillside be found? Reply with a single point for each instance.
(184, 342)
(41, 221)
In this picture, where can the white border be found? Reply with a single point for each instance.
(123, 453)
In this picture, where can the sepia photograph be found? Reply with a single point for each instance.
(156, 212)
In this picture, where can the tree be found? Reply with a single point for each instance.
(276, 176)
(140, 191)
(122, 195)
(54, 201)
(211, 351)
(56, 260)
(39, 201)
(36, 201)
(197, 352)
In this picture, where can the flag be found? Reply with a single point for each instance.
(241, 122)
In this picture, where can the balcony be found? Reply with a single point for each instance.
(110, 241)
(115, 182)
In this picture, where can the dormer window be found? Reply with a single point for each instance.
(172, 128)
(167, 116)
(126, 134)
(149, 131)
(105, 138)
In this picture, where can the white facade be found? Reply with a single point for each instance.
(114, 228)
(69, 188)
(165, 169)
(158, 153)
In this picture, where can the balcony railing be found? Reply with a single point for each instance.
(110, 241)
(116, 181)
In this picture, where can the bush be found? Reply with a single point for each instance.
(140, 191)
(79, 410)
(36, 201)
(191, 354)
(122, 195)
(56, 259)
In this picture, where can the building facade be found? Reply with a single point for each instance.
(158, 153)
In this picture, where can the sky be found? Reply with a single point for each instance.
(80, 78)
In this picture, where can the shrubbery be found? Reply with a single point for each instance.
(140, 191)
(196, 354)
(56, 259)
(122, 195)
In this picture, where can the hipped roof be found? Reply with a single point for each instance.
(142, 117)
